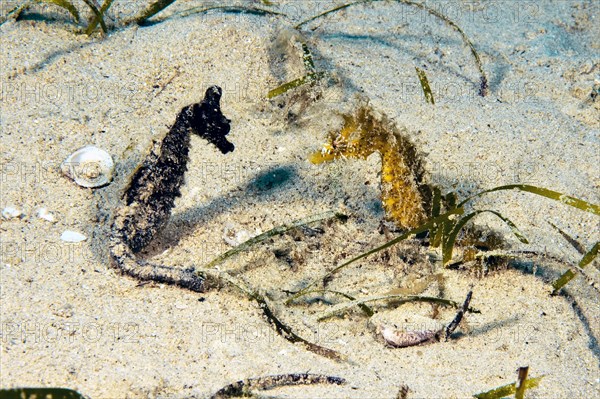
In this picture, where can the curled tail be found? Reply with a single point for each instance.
(126, 261)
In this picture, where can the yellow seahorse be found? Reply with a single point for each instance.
(406, 195)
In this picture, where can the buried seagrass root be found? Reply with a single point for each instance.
(245, 387)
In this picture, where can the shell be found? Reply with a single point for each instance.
(89, 167)
(43, 213)
(402, 339)
(235, 238)
(72, 236)
(10, 212)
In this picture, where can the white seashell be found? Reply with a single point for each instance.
(10, 212)
(72, 236)
(89, 167)
(402, 339)
(233, 237)
(43, 213)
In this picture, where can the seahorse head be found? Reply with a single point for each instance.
(208, 121)
(359, 137)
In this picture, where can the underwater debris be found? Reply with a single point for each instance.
(567, 276)
(34, 393)
(446, 227)
(273, 232)
(281, 328)
(520, 384)
(67, 5)
(443, 218)
(143, 17)
(459, 316)
(153, 9)
(406, 195)
(517, 388)
(286, 332)
(483, 81)
(397, 299)
(309, 87)
(403, 392)
(98, 16)
(425, 86)
(245, 387)
(312, 76)
(308, 78)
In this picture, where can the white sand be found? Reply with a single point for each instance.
(68, 319)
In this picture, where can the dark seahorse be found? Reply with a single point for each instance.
(146, 204)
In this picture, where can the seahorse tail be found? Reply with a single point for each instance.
(127, 263)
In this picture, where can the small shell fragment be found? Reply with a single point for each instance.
(89, 167)
(72, 236)
(402, 339)
(10, 212)
(233, 237)
(43, 213)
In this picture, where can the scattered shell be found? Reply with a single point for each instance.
(402, 339)
(233, 237)
(11, 212)
(43, 213)
(89, 167)
(72, 236)
(65, 311)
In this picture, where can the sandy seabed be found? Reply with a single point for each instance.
(70, 320)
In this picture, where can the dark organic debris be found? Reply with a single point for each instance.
(38, 393)
(245, 387)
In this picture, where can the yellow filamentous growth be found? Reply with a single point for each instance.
(406, 196)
